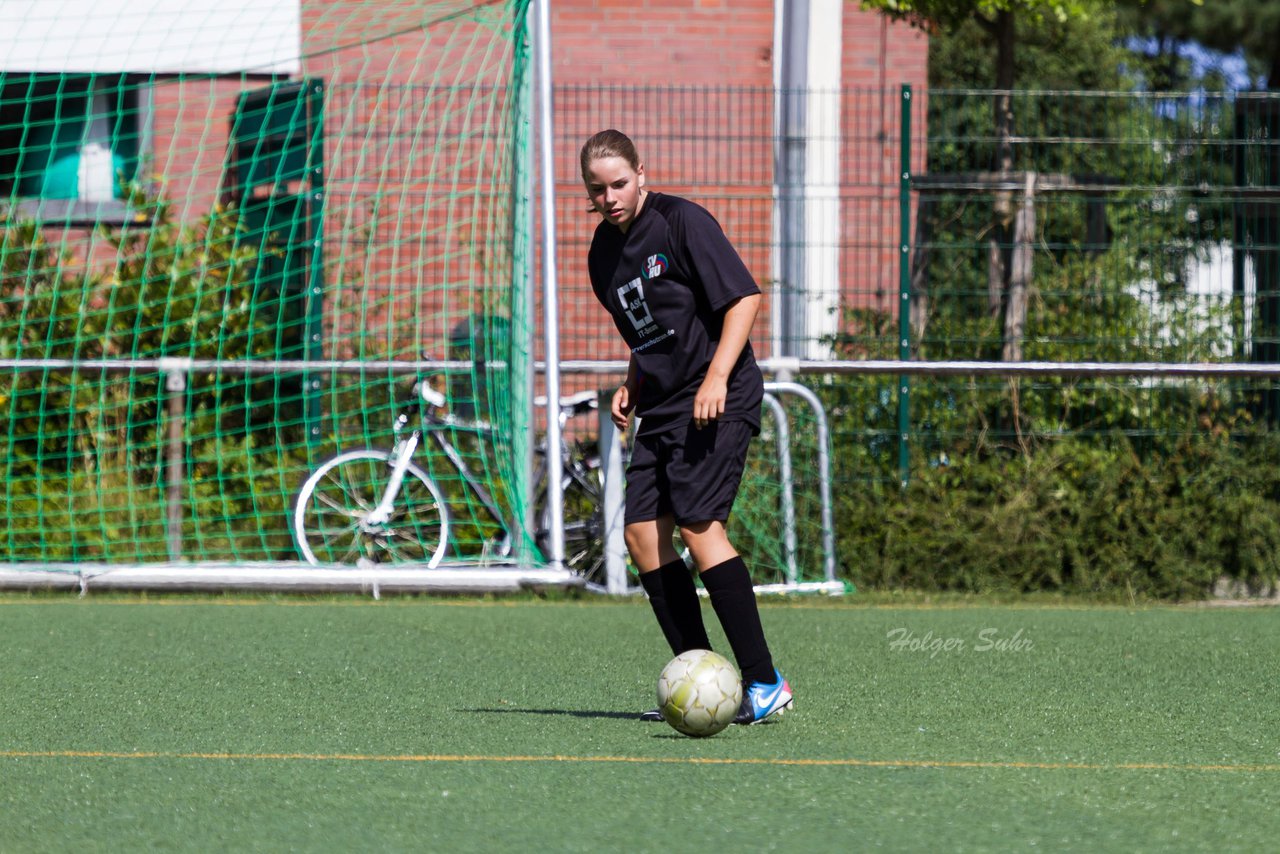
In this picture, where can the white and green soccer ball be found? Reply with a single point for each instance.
(699, 692)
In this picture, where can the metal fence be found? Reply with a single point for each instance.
(1112, 228)
(1165, 199)
(1088, 227)
(815, 218)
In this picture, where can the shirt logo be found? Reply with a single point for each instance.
(655, 266)
(631, 295)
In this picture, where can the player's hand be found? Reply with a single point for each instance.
(708, 405)
(621, 407)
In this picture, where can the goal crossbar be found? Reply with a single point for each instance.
(781, 366)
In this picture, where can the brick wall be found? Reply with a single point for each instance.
(879, 58)
(715, 148)
(723, 157)
(657, 43)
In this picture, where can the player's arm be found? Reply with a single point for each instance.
(624, 399)
(739, 317)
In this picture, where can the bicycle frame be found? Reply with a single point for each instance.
(403, 451)
(575, 470)
(569, 465)
(503, 544)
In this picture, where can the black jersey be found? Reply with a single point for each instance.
(667, 282)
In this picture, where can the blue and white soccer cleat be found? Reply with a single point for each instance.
(762, 699)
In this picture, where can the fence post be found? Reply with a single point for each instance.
(175, 384)
(613, 500)
(313, 347)
(783, 430)
(904, 287)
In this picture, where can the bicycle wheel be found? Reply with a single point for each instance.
(330, 515)
(583, 523)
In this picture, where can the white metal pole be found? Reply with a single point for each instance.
(550, 299)
(615, 548)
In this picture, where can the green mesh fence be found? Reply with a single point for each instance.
(1132, 227)
(1094, 227)
(279, 183)
(777, 523)
(360, 198)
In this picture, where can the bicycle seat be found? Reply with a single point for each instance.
(583, 401)
(430, 395)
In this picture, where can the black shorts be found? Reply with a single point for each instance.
(689, 473)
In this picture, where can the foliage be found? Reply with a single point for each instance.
(1163, 165)
(996, 22)
(1250, 28)
(948, 14)
(96, 443)
(1079, 53)
(1064, 486)
(1075, 518)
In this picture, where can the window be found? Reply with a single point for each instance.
(67, 144)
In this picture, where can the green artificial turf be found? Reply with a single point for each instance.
(283, 724)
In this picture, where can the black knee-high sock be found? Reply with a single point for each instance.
(674, 600)
(686, 608)
(734, 601)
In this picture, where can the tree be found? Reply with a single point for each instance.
(1248, 26)
(997, 20)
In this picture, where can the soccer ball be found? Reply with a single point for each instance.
(699, 692)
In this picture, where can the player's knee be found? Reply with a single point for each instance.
(708, 543)
(639, 538)
(708, 532)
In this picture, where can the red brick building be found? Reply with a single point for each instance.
(696, 83)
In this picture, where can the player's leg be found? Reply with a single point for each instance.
(705, 477)
(668, 583)
(648, 532)
(733, 596)
(649, 543)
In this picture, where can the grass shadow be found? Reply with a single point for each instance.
(573, 713)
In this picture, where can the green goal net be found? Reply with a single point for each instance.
(227, 230)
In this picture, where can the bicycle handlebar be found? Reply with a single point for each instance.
(570, 406)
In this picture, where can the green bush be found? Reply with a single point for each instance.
(87, 450)
(1156, 489)
(1075, 517)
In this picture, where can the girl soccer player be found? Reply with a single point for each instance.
(684, 303)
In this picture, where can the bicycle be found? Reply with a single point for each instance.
(379, 505)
